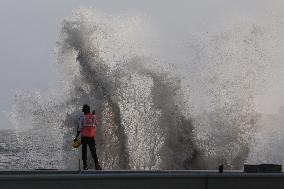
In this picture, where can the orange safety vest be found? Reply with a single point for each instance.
(88, 128)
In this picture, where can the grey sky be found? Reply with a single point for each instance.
(29, 30)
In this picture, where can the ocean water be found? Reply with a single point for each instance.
(28, 152)
(9, 150)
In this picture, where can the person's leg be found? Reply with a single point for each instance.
(92, 146)
(84, 152)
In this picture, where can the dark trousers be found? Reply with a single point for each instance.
(90, 141)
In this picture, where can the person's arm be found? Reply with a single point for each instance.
(95, 120)
(95, 117)
(79, 128)
(78, 133)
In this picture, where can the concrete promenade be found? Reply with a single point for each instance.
(61, 179)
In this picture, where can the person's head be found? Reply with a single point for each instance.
(86, 108)
(94, 112)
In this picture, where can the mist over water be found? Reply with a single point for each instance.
(193, 113)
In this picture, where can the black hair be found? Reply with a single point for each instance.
(86, 108)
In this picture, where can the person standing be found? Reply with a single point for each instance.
(87, 129)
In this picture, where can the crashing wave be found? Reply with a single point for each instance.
(145, 107)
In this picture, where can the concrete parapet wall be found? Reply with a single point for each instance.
(139, 179)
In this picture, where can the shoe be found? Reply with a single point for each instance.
(85, 167)
(98, 167)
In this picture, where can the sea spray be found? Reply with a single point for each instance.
(235, 63)
(148, 111)
(141, 129)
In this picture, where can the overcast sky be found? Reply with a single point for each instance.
(29, 30)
